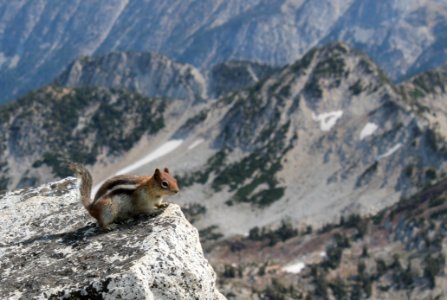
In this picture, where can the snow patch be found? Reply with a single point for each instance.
(327, 120)
(368, 130)
(294, 268)
(389, 152)
(164, 149)
(195, 144)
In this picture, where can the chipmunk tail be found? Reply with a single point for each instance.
(85, 187)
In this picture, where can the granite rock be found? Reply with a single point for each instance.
(51, 248)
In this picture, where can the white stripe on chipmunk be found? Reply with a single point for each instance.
(123, 187)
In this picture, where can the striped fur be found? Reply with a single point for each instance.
(86, 183)
(123, 196)
(125, 182)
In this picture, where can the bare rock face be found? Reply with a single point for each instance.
(235, 75)
(149, 74)
(51, 248)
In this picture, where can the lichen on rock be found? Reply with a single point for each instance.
(51, 248)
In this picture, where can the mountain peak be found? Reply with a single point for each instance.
(147, 73)
(337, 58)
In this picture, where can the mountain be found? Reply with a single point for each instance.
(156, 75)
(149, 74)
(329, 135)
(403, 37)
(48, 126)
(324, 137)
(231, 76)
(39, 39)
(396, 254)
(323, 167)
(101, 107)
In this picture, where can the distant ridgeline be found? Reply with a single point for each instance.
(404, 38)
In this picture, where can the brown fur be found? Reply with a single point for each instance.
(124, 196)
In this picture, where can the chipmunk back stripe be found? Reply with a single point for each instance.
(129, 182)
(120, 192)
(122, 187)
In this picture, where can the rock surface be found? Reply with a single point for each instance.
(50, 248)
(231, 76)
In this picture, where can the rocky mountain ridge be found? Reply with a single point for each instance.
(103, 106)
(154, 75)
(232, 76)
(54, 124)
(39, 40)
(149, 74)
(333, 115)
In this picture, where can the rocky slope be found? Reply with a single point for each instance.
(427, 92)
(399, 253)
(327, 136)
(51, 249)
(231, 76)
(155, 75)
(148, 74)
(106, 91)
(54, 124)
(403, 37)
(39, 39)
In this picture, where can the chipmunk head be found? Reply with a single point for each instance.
(167, 185)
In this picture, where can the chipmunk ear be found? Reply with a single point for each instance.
(157, 174)
(166, 170)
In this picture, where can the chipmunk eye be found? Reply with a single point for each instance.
(164, 184)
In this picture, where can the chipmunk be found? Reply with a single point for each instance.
(124, 196)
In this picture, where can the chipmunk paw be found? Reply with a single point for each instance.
(163, 205)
